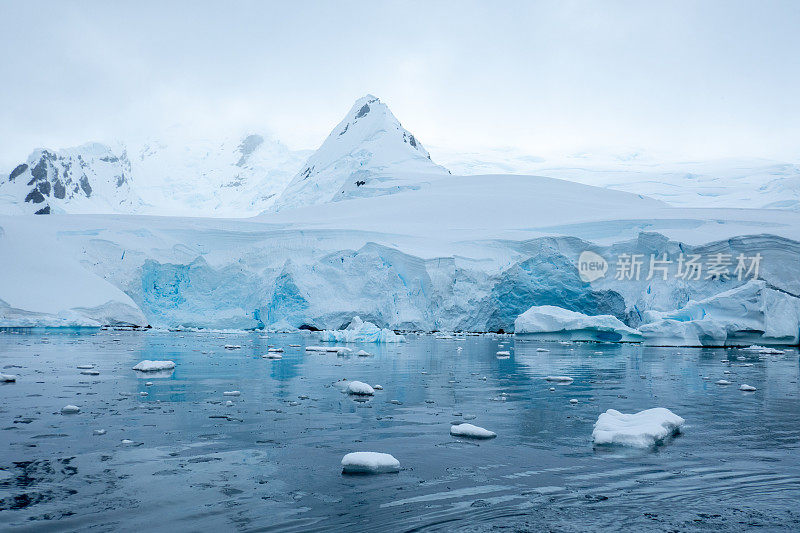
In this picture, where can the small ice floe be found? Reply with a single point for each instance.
(643, 429)
(360, 388)
(154, 366)
(471, 431)
(762, 349)
(560, 379)
(229, 404)
(148, 384)
(231, 393)
(143, 393)
(363, 353)
(272, 355)
(552, 389)
(377, 387)
(232, 346)
(90, 372)
(7, 378)
(294, 346)
(84, 367)
(98, 432)
(369, 463)
(746, 388)
(126, 442)
(275, 350)
(316, 348)
(542, 350)
(70, 410)
(503, 353)
(396, 402)
(723, 382)
(573, 401)
(339, 350)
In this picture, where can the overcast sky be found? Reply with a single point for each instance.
(695, 78)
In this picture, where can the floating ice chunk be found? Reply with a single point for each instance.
(643, 429)
(99, 432)
(360, 388)
(275, 350)
(232, 346)
(90, 372)
(573, 401)
(542, 350)
(231, 393)
(762, 349)
(471, 431)
(560, 379)
(377, 387)
(360, 331)
(229, 404)
(746, 388)
(723, 382)
(503, 353)
(126, 441)
(70, 410)
(7, 378)
(363, 353)
(84, 367)
(272, 355)
(316, 349)
(154, 366)
(551, 322)
(369, 463)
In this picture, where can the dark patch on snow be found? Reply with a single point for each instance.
(17, 171)
(44, 188)
(59, 191)
(363, 111)
(87, 189)
(345, 129)
(35, 196)
(308, 327)
(359, 183)
(307, 172)
(110, 159)
(43, 211)
(248, 146)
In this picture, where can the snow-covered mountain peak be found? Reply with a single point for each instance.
(368, 153)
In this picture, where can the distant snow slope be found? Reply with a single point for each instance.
(233, 177)
(90, 178)
(171, 175)
(462, 253)
(733, 182)
(367, 154)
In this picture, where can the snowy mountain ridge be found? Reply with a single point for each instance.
(368, 153)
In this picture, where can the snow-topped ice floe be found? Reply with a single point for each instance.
(762, 349)
(70, 409)
(154, 366)
(361, 331)
(471, 431)
(643, 429)
(369, 463)
(551, 322)
(7, 378)
(360, 388)
(560, 379)
(754, 312)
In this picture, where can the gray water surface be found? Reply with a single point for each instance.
(272, 460)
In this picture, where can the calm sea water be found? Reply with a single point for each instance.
(271, 461)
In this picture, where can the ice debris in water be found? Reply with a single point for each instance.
(232, 346)
(573, 401)
(542, 350)
(360, 388)
(99, 432)
(70, 409)
(762, 349)
(361, 331)
(363, 353)
(503, 353)
(723, 382)
(471, 431)
(272, 355)
(8, 378)
(747, 388)
(560, 379)
(275, 350)
(231, 393)
(154, 366)
(369, 463)
(643, 429)
(84, 367)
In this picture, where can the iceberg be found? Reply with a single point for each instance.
(642, 430)
(154, 366)
(369, 463)
(471, 431)
(551, 322)
(361, 331)
(360, 388)
(752, 313)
